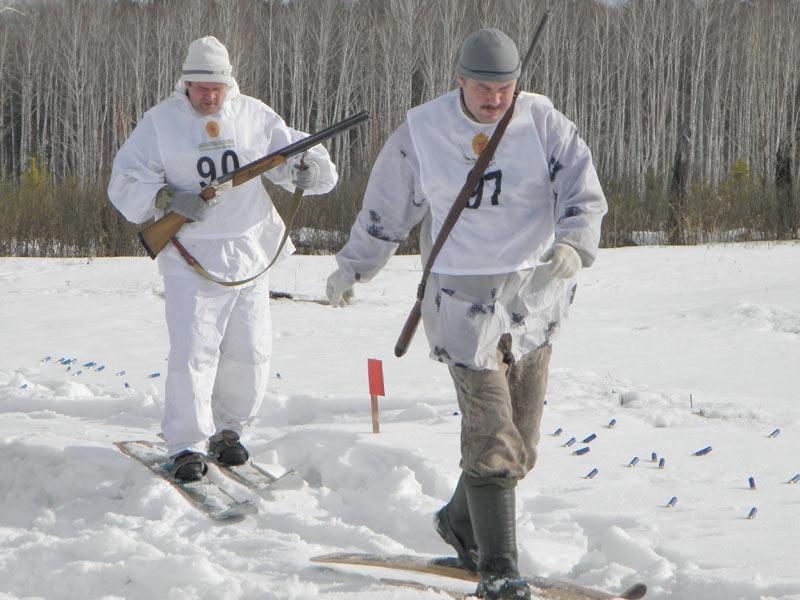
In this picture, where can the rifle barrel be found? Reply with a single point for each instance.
(297, 147)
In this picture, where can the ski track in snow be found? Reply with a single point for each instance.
(79, 519)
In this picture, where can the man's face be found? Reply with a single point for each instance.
(206, 98)
(487, 101)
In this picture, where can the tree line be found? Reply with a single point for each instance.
(691, 108)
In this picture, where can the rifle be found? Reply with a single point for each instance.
(473, 178)
(159, 233)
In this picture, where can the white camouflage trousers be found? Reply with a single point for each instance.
(465, 315)
(218, 366)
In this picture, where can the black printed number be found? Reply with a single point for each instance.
(477, 196)
(208, 170)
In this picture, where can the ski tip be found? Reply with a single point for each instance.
(291, 480)
(238, 510)
(636, 591)
(334, 557)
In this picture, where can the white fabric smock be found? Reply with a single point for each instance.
(509, 220)
(464, 314)
(175, 145)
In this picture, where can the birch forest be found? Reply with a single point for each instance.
(691, 107)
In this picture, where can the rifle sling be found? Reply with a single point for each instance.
(195, 264)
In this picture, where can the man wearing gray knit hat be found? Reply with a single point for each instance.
(500, 285)
(489, 55)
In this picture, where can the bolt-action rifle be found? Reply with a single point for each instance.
(461, 201)
(159, 233)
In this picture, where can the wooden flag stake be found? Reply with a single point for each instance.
(375, 373)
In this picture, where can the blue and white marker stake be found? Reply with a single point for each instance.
(672, 502)
(589, 438)
(634, 461)
(569, 442)
(653, 457)
(591, 473)
(775, 433)
(752, 514)
(558, 432)
(794, 479)
(661, 463)
(154, 374)
(611, 423)
(582, 451)
(703, 452)
(752, 483)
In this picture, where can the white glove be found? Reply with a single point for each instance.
(307, 175)
(188, 204)
(339, 289)
(561, 261)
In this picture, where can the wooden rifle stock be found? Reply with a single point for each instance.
(409, 329)
(158, 234)
(456, 209)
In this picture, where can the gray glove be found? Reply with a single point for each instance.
(188, 204)
(339, 289)
(307, 175)
(561, 261)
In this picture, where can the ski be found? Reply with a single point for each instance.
(446, 566)
(258, 479)
(206, 495)
(424, 587)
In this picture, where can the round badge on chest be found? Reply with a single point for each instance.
(479, 143)
(212, 129)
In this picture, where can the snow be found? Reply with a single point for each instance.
(685, 347)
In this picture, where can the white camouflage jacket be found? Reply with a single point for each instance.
(573, 203)
(175, 145)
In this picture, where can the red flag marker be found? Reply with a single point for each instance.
(375, 374)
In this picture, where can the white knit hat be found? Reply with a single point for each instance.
(207, 60)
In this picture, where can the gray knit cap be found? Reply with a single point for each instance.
(489, 55)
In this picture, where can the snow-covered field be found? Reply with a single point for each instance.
(684, 347)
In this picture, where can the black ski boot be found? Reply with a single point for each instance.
(455, 528)
(492, 508)
(226, 449)
(188, 466)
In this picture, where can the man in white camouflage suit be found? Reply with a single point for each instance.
(220, 335)
(501, 284)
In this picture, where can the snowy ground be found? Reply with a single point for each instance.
(684, 347)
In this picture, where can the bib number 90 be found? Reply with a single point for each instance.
(208, 170)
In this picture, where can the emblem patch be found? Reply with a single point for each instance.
(479, 143)
(212, 129)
